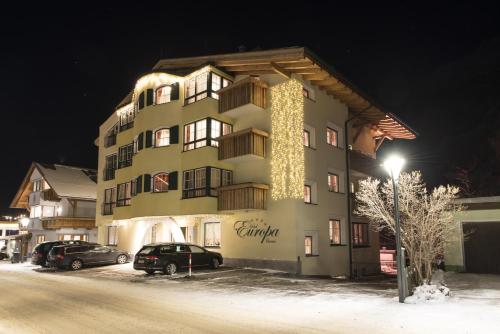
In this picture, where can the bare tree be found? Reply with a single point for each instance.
(426, 218)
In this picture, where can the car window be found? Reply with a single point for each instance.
(147, 250)
(102, 249)
(167, 249)
(70, 250)
(47, 247)
(196, 249)
(181, 248)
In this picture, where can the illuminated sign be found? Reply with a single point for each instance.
(256, 229)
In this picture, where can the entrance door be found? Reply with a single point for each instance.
(481, 247)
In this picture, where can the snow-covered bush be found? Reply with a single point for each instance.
(428, 293)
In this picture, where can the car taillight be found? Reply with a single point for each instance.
(152, 257)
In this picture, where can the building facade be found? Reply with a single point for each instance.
(244, 153)
(61, 201)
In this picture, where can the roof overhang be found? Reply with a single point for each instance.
(300, 61)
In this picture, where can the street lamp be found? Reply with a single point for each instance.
(393, 166)
(24, 222)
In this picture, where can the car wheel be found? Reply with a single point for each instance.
(215, 263)
(121, 259)
(149, 271)
(170, 269)
(76, 265)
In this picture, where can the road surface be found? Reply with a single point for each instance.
(83, 302)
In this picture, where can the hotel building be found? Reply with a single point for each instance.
(254, 154)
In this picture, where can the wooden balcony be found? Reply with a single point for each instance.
(243, 145)
(50, 195)
(68, 222)
(242, 97)
(243, 196)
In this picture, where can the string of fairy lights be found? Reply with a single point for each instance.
(287, 124)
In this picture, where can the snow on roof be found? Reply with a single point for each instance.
(68, 181)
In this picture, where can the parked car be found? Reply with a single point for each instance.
(74, 257)
(3, 253)
(171, 257)
(40, 251)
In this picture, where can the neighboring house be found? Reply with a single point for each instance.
(61, 202)
(244, 153)
(474, 248)
(9, 230)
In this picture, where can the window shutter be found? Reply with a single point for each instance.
(149, 138)
(174, 135)
(174, 93)
(147, 183)
(172, 181)
(140, 141)
(149, 97)
(138, 184)
(141, 100)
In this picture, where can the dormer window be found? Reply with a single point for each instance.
(163, 94)
(204, 85)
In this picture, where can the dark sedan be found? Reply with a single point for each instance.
(171, 257)
(41, 251)
(76, 256)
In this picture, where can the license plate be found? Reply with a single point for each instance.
(140, 261)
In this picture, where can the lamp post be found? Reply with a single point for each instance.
(393, 166)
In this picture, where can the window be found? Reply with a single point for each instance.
(110, 166)
(334, 231)
(162, 137)
(109, 201)
(11, 232)
(160, 183)
(196, 249)
(163, 94)
(201, 133)
(40, 238)
(38, 185)
(202, 85)
(307, 138)
(112, 236)
(332, 137)
(36, 211)
(125, 154)
(307, 194)
(308, 242)
(205, 181)
(127, 119)
(360, 234)
(67, 237)
(212, 234)
(309, 93)
(110, 138)
(333, 182)
(167, 249)
(123, 194)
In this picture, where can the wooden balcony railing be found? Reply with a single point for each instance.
(244, 92)
(68, 222)
(244, 196)
(245, 142)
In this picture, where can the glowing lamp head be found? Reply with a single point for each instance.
(393, 165)
(24, 222)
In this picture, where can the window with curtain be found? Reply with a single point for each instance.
(333, 182)
(334, 231)
(162, 137)
(212, 234)
(332, 137)
(360, 234)
(163, 94)
(160, 182)
(307, 194)
(203, 132)
(308, 242)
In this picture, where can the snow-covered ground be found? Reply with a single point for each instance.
(118, 299)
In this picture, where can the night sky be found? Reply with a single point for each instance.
(64, 70)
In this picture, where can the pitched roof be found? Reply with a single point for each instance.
(66, 181)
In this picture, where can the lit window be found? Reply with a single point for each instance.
(308, 241)
(160, 183)
(162, 137)
(360, 234)
(333, 182)
(36, 211)
(123, 194)
(199, 87)
(332, 137)
(38, 185)
(112, 236)
(196, 183)
(305, 92)
(212, 234)
(307, 193)
(125, 154)
(40, 238)
(307, 138)
(334, 231)
(203, 132)
(163, 94)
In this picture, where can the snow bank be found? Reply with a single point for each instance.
(428, 293)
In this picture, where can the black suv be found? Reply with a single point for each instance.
(171, 257)
(41, 251)
(76, 256)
